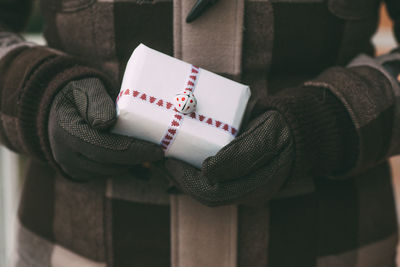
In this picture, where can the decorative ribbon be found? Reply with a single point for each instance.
(177, 118)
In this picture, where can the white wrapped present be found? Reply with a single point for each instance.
(191, 112)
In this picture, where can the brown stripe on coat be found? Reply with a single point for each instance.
(14, 14)
(79, 217)
(214, 40)
(95, 40)
(142, 185)
(253, 235)
(141, 234)
(36, 208)
(338, 217)
(258, 36)
(32, 249)
(108, 234)
(377, 227)
(361, 19)
(63, 257)
(80, 42)
(50, 29)
(376, 208)
(257, 82)
(307, 37)
(293, 231)
(257, 52)
(201, 235)
(381, 253)
(148, 23)
(376, 136)
(346, 259)
(106, 55)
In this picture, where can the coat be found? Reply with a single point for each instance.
(123, 221)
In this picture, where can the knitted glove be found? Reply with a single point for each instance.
(80, 117)
(306, 131)
(55, 108)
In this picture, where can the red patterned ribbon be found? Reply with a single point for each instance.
(177, 118)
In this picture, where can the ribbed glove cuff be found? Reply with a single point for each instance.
(325, 139)
(32, 79)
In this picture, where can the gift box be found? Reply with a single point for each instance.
(191, 112)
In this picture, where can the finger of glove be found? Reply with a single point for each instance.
(254, 188)
(67, 126)
(93, 102)
(131, 151)
(193, 183)
(81, 162)
(265, 139)
(66, 160)
(261, 185)
(78, 166)
(186, 177)
(80, 175)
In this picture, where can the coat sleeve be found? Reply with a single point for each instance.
(14, 16)
(369, 88)
(30, 76)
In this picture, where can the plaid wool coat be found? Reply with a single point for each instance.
(123, 221)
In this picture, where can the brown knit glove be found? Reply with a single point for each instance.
(29, 79)
(80, 118)
(58, 109)
(306, 131)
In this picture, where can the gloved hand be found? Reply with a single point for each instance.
(255, 163)
(81, 116)
(306, 131)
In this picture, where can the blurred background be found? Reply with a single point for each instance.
(12, 166)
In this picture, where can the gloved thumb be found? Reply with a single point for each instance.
(94, 103)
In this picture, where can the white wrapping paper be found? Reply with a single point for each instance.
(151, 76)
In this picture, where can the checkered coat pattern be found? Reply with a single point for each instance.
(123, 221)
